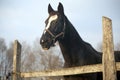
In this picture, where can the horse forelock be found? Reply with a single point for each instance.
(51, 18)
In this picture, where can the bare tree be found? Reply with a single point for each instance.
(34, 58)
(3, 49)
(9, 58)
(27, 59)
(117, 47)
(50, 59)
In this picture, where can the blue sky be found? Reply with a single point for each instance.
(24, 19)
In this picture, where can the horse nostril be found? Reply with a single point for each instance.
(42, 41)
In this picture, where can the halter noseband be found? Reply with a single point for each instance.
(55, 36)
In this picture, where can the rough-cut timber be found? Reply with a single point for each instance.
(16, 60)
(109, 68)
(65, 71)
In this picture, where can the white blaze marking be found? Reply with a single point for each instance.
(52, 18)
(44, 31)
(42, 40)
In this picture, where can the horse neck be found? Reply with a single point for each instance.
(71, 43)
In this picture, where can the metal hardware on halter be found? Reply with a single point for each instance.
(55, 36)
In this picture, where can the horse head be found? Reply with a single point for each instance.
(55, 27)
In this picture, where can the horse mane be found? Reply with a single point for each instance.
(78, 36)
(74, 44)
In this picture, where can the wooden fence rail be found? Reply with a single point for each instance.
(68, 71)
(108, 66)
(65, 71)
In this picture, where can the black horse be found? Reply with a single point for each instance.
(75, 51)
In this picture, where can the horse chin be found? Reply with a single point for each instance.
(45, 48)
(48, 47)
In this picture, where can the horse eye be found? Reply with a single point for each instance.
(53, 22)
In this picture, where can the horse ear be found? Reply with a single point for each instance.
(60, 8)
(50, 9)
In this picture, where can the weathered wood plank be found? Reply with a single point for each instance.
(118, 66)
(16, 60)
(65, 71)
(108, 60)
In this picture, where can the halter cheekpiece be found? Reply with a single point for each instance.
(56, 36)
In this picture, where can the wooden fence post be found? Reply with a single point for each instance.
(16, 60)
(108, 60)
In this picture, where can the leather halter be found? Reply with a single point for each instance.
(59, 34)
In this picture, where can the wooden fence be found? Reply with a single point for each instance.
(108, 66)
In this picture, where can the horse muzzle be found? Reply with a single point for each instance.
(46, 45)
